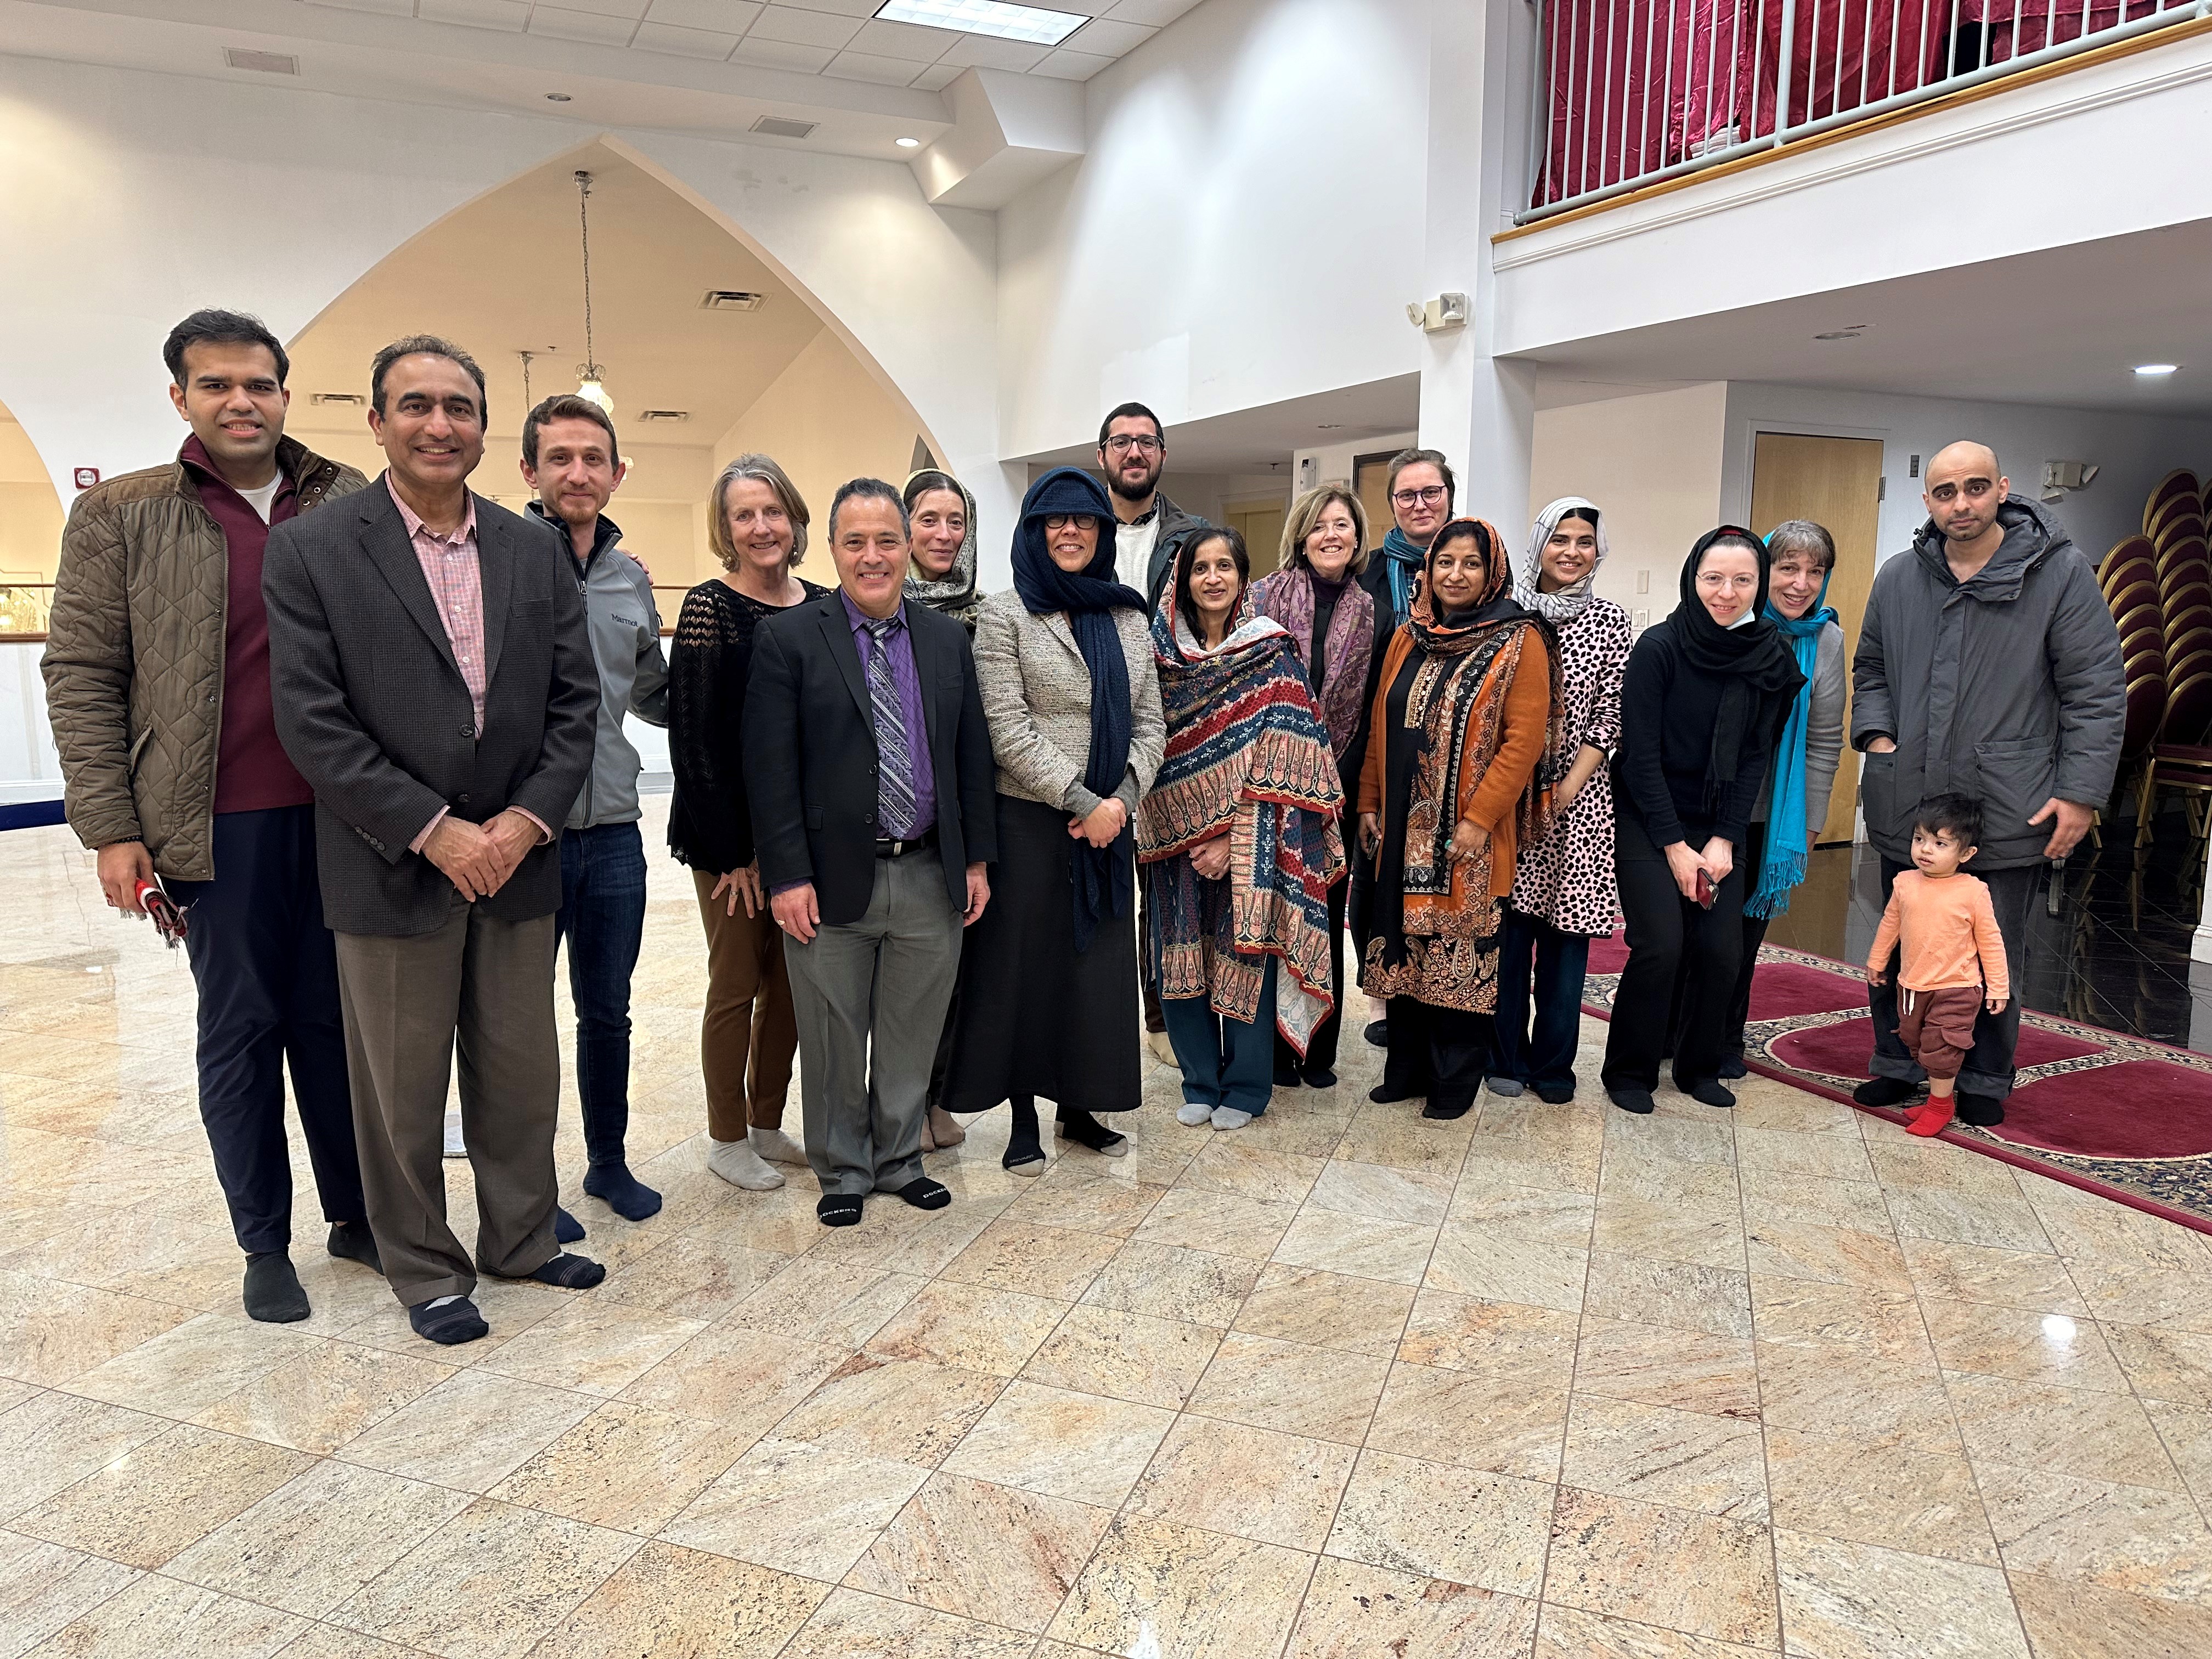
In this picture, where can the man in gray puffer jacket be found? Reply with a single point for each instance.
(1988, 665)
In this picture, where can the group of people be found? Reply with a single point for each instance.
(953, 850)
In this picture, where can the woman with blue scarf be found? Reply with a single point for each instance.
(1794, 805)
(1048, 974)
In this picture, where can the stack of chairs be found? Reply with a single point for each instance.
(2164, 577)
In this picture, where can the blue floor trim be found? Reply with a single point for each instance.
(30, 814)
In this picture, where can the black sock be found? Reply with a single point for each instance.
(1023, 1145)
(272, 1289)
(621, 1191)
(925, 1195)
(352, 1240)
(570, 1272)
(567, 1230)
(838, 1209)
(1086, 1130)
(456, 1322)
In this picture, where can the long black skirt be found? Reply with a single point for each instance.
(1036, 1018)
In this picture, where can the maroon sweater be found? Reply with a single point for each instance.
(251, 771)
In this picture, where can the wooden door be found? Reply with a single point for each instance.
(1836, 483)
(1261, 525)
(1370, 482)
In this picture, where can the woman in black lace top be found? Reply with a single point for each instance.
(757, 523)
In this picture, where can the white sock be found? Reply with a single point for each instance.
(1227, 1117)
(738, 1164)
(776, 1146)
(1194, 1113)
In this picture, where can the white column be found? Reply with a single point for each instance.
(2200, 948)
(1479, 411)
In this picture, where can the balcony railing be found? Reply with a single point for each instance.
(1631, 92)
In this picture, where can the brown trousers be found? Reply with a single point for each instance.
(749, 1034)
(1938, 1026)
(484, 986)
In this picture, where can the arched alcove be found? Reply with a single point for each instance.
(503, 275)
(30, 531)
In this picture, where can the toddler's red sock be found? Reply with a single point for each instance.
(1934, 1117)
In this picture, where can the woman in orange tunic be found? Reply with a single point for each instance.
(1466, 712)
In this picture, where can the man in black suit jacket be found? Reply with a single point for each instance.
(868, 764)
(434, 683)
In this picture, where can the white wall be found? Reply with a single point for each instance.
(114, 176)
(1654, 466)
(1244, 228)
(2103, 150)
(2133, 451)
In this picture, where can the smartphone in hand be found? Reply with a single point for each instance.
(1704, 890)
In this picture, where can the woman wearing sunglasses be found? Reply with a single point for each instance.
(1049, 976)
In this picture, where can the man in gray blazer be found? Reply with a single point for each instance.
(433, 684)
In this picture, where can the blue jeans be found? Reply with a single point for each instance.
(602, 917)
(1535, 955)
(1225, 1062)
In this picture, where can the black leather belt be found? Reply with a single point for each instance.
(924, 842)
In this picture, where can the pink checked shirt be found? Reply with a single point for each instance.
(455, 572)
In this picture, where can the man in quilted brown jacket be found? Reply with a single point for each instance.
(157, 684)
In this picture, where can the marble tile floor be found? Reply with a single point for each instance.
(1550, 1382)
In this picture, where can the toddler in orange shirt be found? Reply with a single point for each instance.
(1952, 963)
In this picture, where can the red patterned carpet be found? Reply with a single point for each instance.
(2114, 1115)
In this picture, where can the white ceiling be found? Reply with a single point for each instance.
(837, 38)
(503, 276)
(708, 66)
(1253, 439)
(2063, 326)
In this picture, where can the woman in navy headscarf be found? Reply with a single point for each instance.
(1049, 976)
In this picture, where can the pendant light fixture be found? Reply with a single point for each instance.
(591, 379)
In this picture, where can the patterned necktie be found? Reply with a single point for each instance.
(895, 805)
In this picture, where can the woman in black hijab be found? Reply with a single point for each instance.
(1705, 692)
(1049, 976)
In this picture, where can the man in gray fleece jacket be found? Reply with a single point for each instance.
(569, 458)
(1988, 664)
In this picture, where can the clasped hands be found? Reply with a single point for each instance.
(1717, 859)
(478, 858)
(1100, 824)
(1468, 837)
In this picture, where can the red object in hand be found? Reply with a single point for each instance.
(1704, 890)
(168, 917)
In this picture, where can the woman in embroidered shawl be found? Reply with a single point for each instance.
(942, 576)
(1238, 840)
(1340, 634)
(1564, 891)
(1465, 716)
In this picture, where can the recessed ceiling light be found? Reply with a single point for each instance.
(907, 143)
(1034, 24)
(1839, 334)
(2151, 370)
(558, 98)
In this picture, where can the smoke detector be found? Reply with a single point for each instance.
(783, 126)
(732, 299)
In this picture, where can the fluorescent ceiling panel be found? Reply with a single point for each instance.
(997, 17)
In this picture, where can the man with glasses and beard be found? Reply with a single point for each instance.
(1148, 529)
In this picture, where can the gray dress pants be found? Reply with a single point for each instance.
(485, 987)
(881, 983)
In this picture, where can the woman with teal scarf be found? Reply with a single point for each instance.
(1794, 805)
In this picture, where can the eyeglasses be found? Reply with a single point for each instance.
(1061, 520)
(1122, 442)
(1428, 495)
